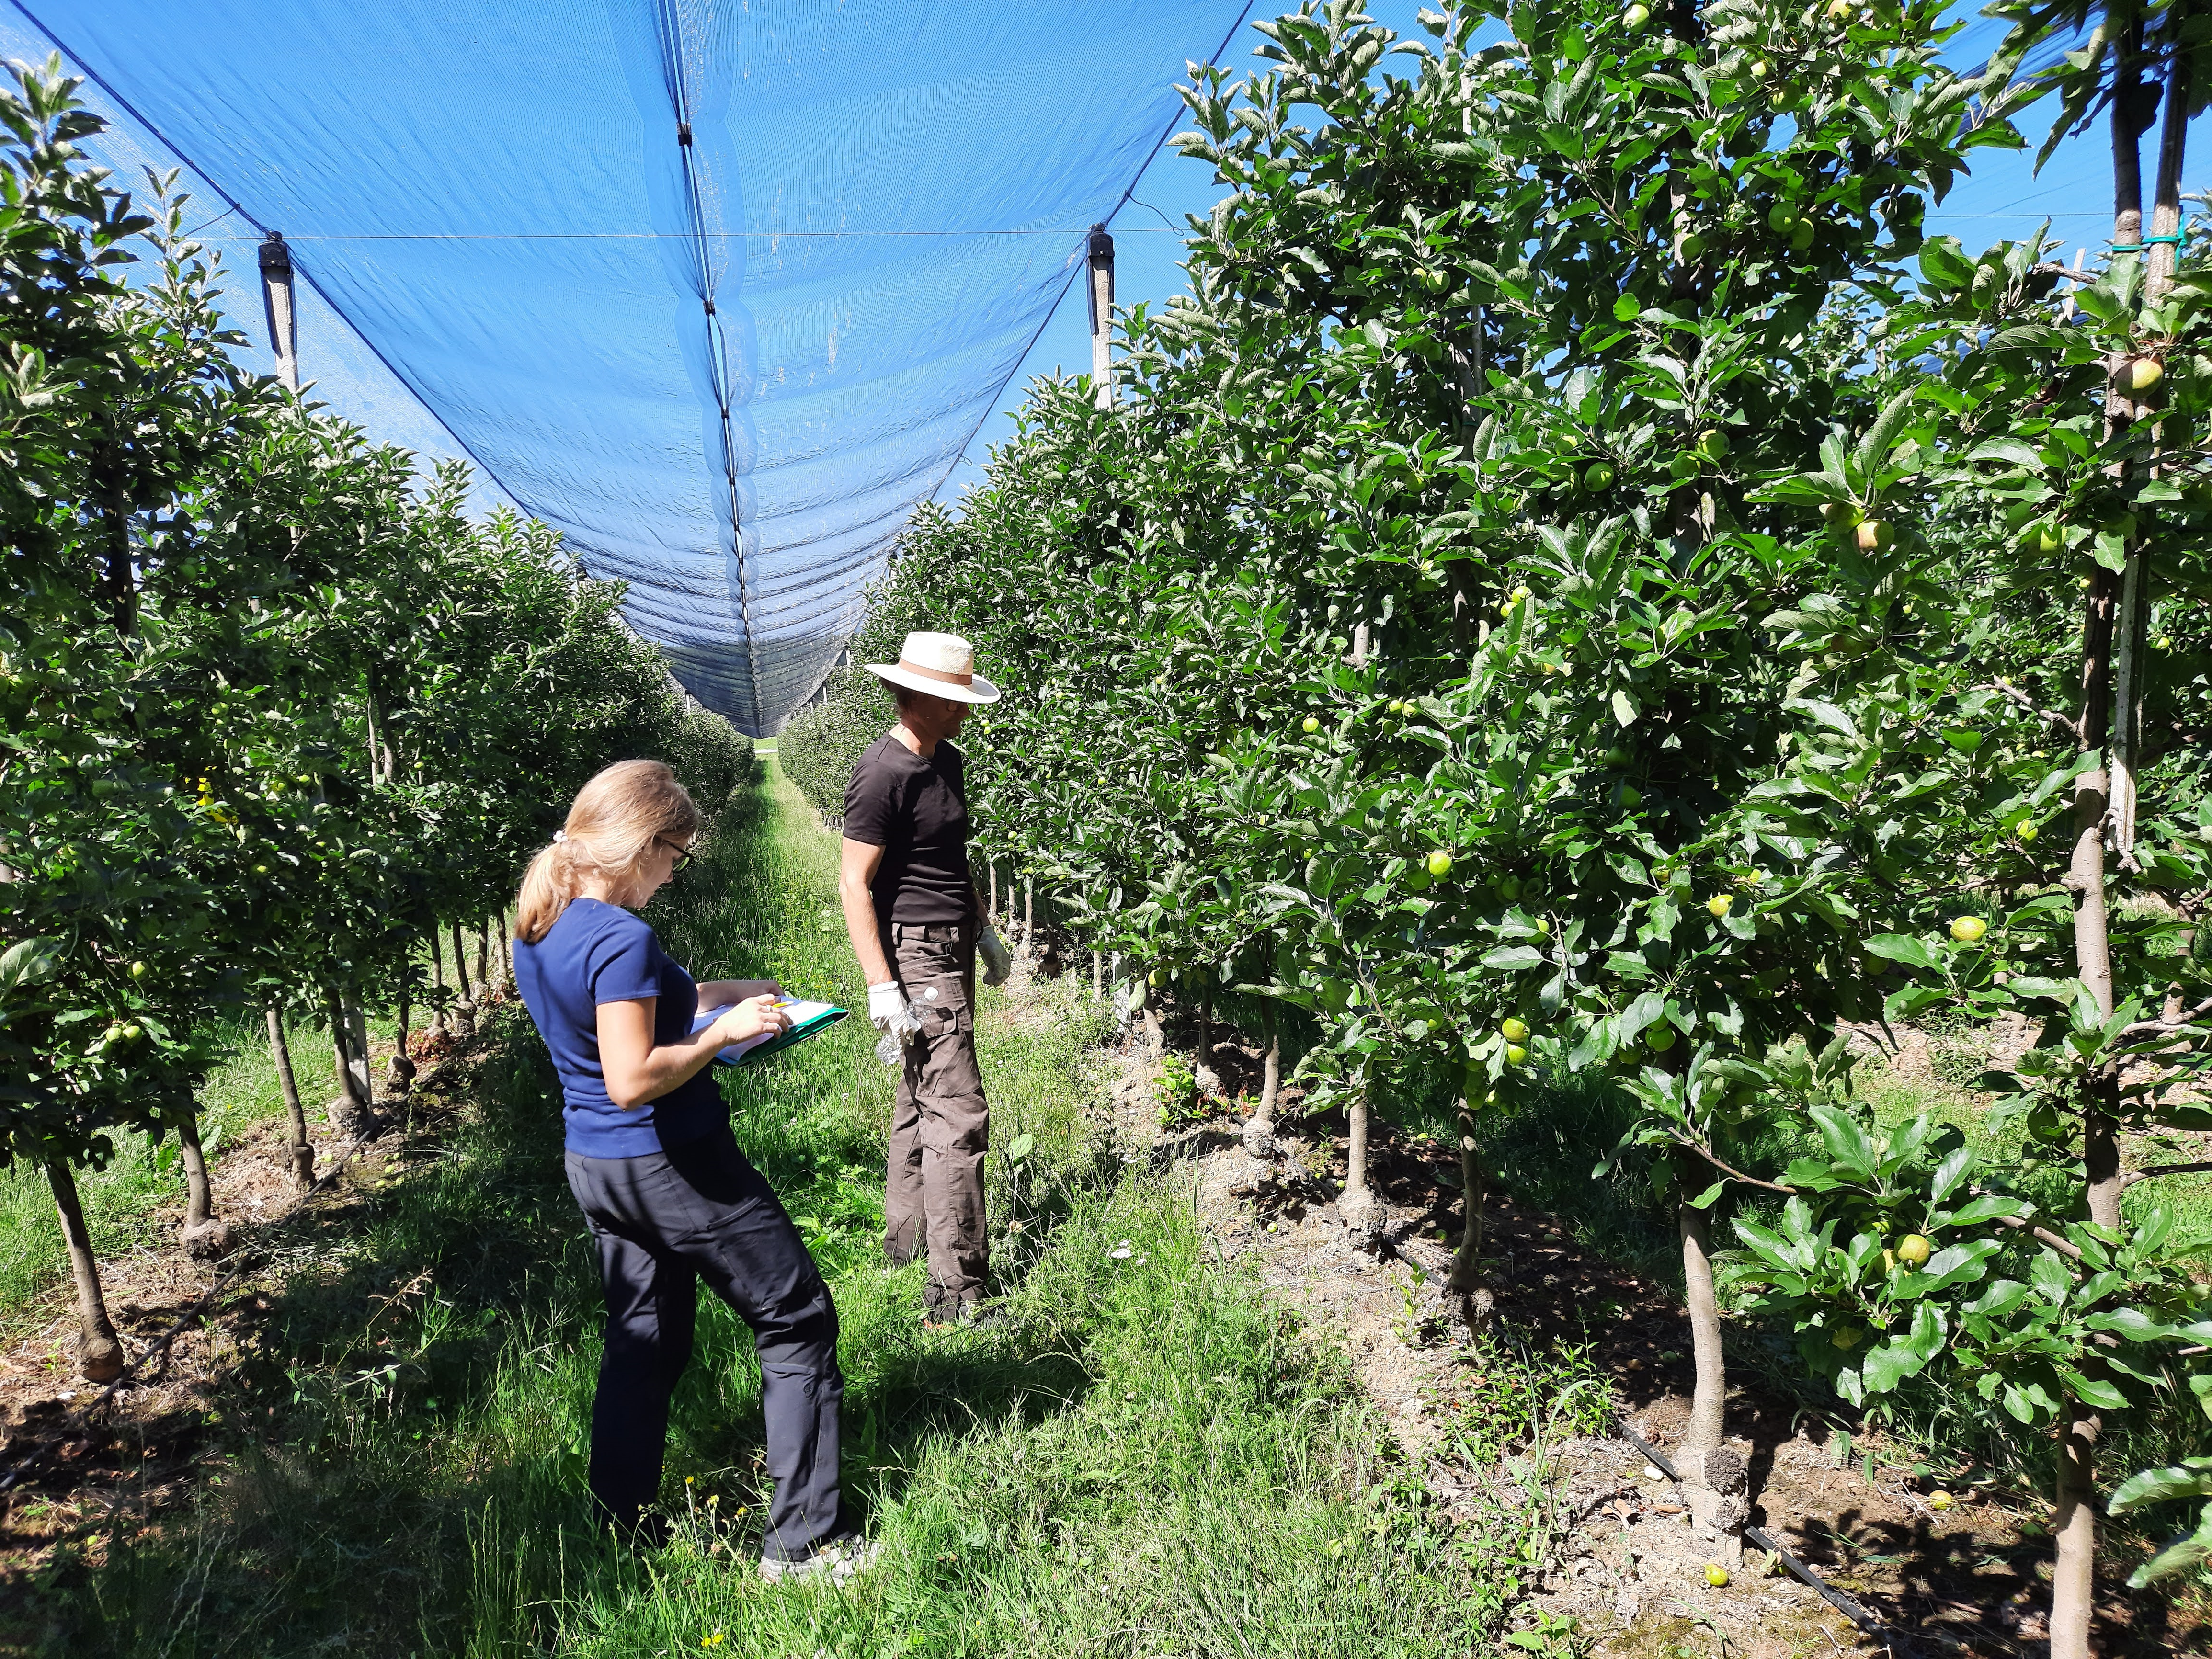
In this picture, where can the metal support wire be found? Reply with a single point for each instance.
(669, 34)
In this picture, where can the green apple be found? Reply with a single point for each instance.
(1514, 1029)
(1873, 536)
(1841, 516)
(1939, 1499)
(1720, 904)
(1509, 889)
(1309, 725)
(1969, 930)
(1801, 233)
(1914, 1249)
(1636, 16)
(1440, 864)
(1615, 756)
(1597, 476)
(1713, 443)
(1659, 1038)
(1717, 1574)
(1515, 1053)
(139, 970)
(1693, 246)
(1631, 795)
(2144, 373)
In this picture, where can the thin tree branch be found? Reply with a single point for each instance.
(2058, 721)
(2021, 1224)
(1727, 1169)
(2149, 1027)
(2165, 1169)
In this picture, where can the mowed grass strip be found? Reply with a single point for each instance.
(1145, 1459)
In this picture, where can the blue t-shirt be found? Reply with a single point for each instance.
(600, 953)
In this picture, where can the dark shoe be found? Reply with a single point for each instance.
(964, 1315)
(648, 1531)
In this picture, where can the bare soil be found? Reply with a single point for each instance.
(76, 1459)
(1628, 1565)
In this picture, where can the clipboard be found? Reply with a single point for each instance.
(807, 1019)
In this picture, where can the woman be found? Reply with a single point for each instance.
(651, 1159)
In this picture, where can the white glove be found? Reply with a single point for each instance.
(998, 962)
(891, 1013)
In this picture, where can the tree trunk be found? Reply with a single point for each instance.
(1466, 1266)
(438, 1021)
(1202, 1071)
(2073, 1583)
(204, 1236)
(461, 966)
(1259, 1127)
(351, 1115)
(99, 1354)
(484, 959)
(2073, 1595)
(1362, 1213)
(1709, 1404)
(506, 951)
(399, 1075)
(464, 1011)
(300, 1148)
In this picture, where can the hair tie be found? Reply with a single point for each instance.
(559, 834)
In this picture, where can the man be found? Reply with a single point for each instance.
(917, 927)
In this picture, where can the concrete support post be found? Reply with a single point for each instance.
(1101, 279)
(277, 307)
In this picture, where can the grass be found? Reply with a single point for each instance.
(1147, 1459)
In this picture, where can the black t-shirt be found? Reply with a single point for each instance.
(916, 810)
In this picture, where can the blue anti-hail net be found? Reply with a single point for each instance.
(721, 290)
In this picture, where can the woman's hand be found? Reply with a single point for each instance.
(721, 993)
(757, 1016)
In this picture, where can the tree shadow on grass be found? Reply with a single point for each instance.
(399, 1421)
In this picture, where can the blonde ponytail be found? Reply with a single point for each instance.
(615, 821)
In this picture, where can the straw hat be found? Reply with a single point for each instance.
(942, 665)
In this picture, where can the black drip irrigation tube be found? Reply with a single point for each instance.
(1850, 1607)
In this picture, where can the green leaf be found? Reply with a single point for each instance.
(2180, 1557)
(1624, 709)
(30, 961)
(2191, 1477)
(1901, 947)
(1846, 1141)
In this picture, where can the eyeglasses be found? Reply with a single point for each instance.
(683, 854)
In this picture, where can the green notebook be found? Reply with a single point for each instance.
(807, 1019)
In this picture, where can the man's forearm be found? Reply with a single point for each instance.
(860, 924)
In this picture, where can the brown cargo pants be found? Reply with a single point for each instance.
(940, 1122)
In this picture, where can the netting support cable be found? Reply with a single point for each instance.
(669, 34)
(1135, 178)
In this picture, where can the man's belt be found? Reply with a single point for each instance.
(936, 932)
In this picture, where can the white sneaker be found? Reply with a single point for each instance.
(839, 1561)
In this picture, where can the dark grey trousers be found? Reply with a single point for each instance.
(940, 1123)
(663, 1222)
